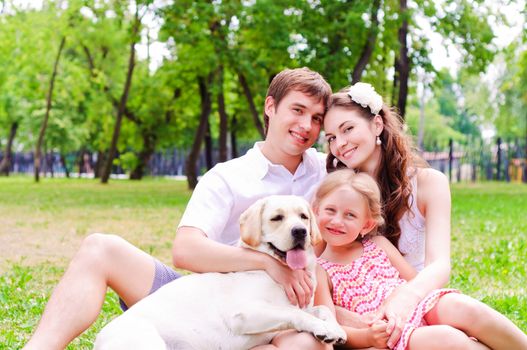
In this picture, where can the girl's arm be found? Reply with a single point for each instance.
(433, 199)
(323, 290)
(323, 296)
(374, 335)
(406, 271)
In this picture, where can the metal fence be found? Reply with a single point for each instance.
(502, 161)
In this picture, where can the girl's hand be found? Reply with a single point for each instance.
(396, 310)
(378, 335)
(297, 284)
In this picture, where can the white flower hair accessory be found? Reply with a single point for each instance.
(365, 95)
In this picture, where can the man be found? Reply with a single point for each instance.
(282, 164)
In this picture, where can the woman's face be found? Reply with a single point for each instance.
(351, 138)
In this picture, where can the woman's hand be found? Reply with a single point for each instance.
(396, 310)
(297, 284)
(378, 334)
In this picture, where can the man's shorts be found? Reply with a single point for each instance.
(163, 275)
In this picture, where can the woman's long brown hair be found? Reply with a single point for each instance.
(393, 176)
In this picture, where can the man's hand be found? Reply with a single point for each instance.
(297, 284)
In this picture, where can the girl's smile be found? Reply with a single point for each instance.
(342, 216)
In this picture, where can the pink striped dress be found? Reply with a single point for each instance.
(365, 283)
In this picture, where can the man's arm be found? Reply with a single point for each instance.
(194, 251)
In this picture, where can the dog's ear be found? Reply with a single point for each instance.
(316, 237)
(251, 223)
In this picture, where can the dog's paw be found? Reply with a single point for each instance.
(330, 334)
(329, 340)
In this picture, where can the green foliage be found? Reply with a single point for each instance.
(438, 127)
(256, 39)
(511, 119)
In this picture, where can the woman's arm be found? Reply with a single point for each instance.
(433, 199)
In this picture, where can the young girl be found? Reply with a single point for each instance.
(359, 270)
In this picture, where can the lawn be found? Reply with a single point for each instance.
(42, 225)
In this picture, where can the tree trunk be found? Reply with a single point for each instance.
(79, 161)
(149, 145)
(250, 100)
(48, 109)
(402, 62)
(49, 163)
(208, 147)
(223, 119)
(5, 165)
(192, 158)
(369, 45)
(65, 165)
(122, 105)
(234, 142)
(99, 164)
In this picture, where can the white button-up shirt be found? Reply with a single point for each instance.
(229, 188)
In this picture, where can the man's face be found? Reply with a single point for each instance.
(295, 123)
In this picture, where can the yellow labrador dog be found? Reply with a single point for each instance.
(232, 310)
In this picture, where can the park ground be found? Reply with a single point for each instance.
(42, 225)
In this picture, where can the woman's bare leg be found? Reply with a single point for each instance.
(102, 261)
(440, 338)
(477, 320)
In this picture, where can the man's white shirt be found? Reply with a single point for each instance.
(229, 188)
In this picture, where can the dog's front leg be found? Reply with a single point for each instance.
(265, 318)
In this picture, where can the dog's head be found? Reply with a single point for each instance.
(281, 226)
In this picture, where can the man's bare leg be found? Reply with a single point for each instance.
(102, 261)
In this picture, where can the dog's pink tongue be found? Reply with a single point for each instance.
(296, 259)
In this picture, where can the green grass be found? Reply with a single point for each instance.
(41, 226)
(489, 245)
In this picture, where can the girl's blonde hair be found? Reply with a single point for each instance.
(363, 183)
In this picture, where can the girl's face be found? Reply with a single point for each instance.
(351, 138)
(342, 216)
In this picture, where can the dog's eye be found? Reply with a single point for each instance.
(303, 216)
(277, 218)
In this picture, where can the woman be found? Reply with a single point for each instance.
(365, 135)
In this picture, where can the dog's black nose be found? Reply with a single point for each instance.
(299, 232)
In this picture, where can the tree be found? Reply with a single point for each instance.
(48, 110)
(135, 27)
(402, 61)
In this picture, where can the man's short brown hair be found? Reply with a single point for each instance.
(299, 79)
